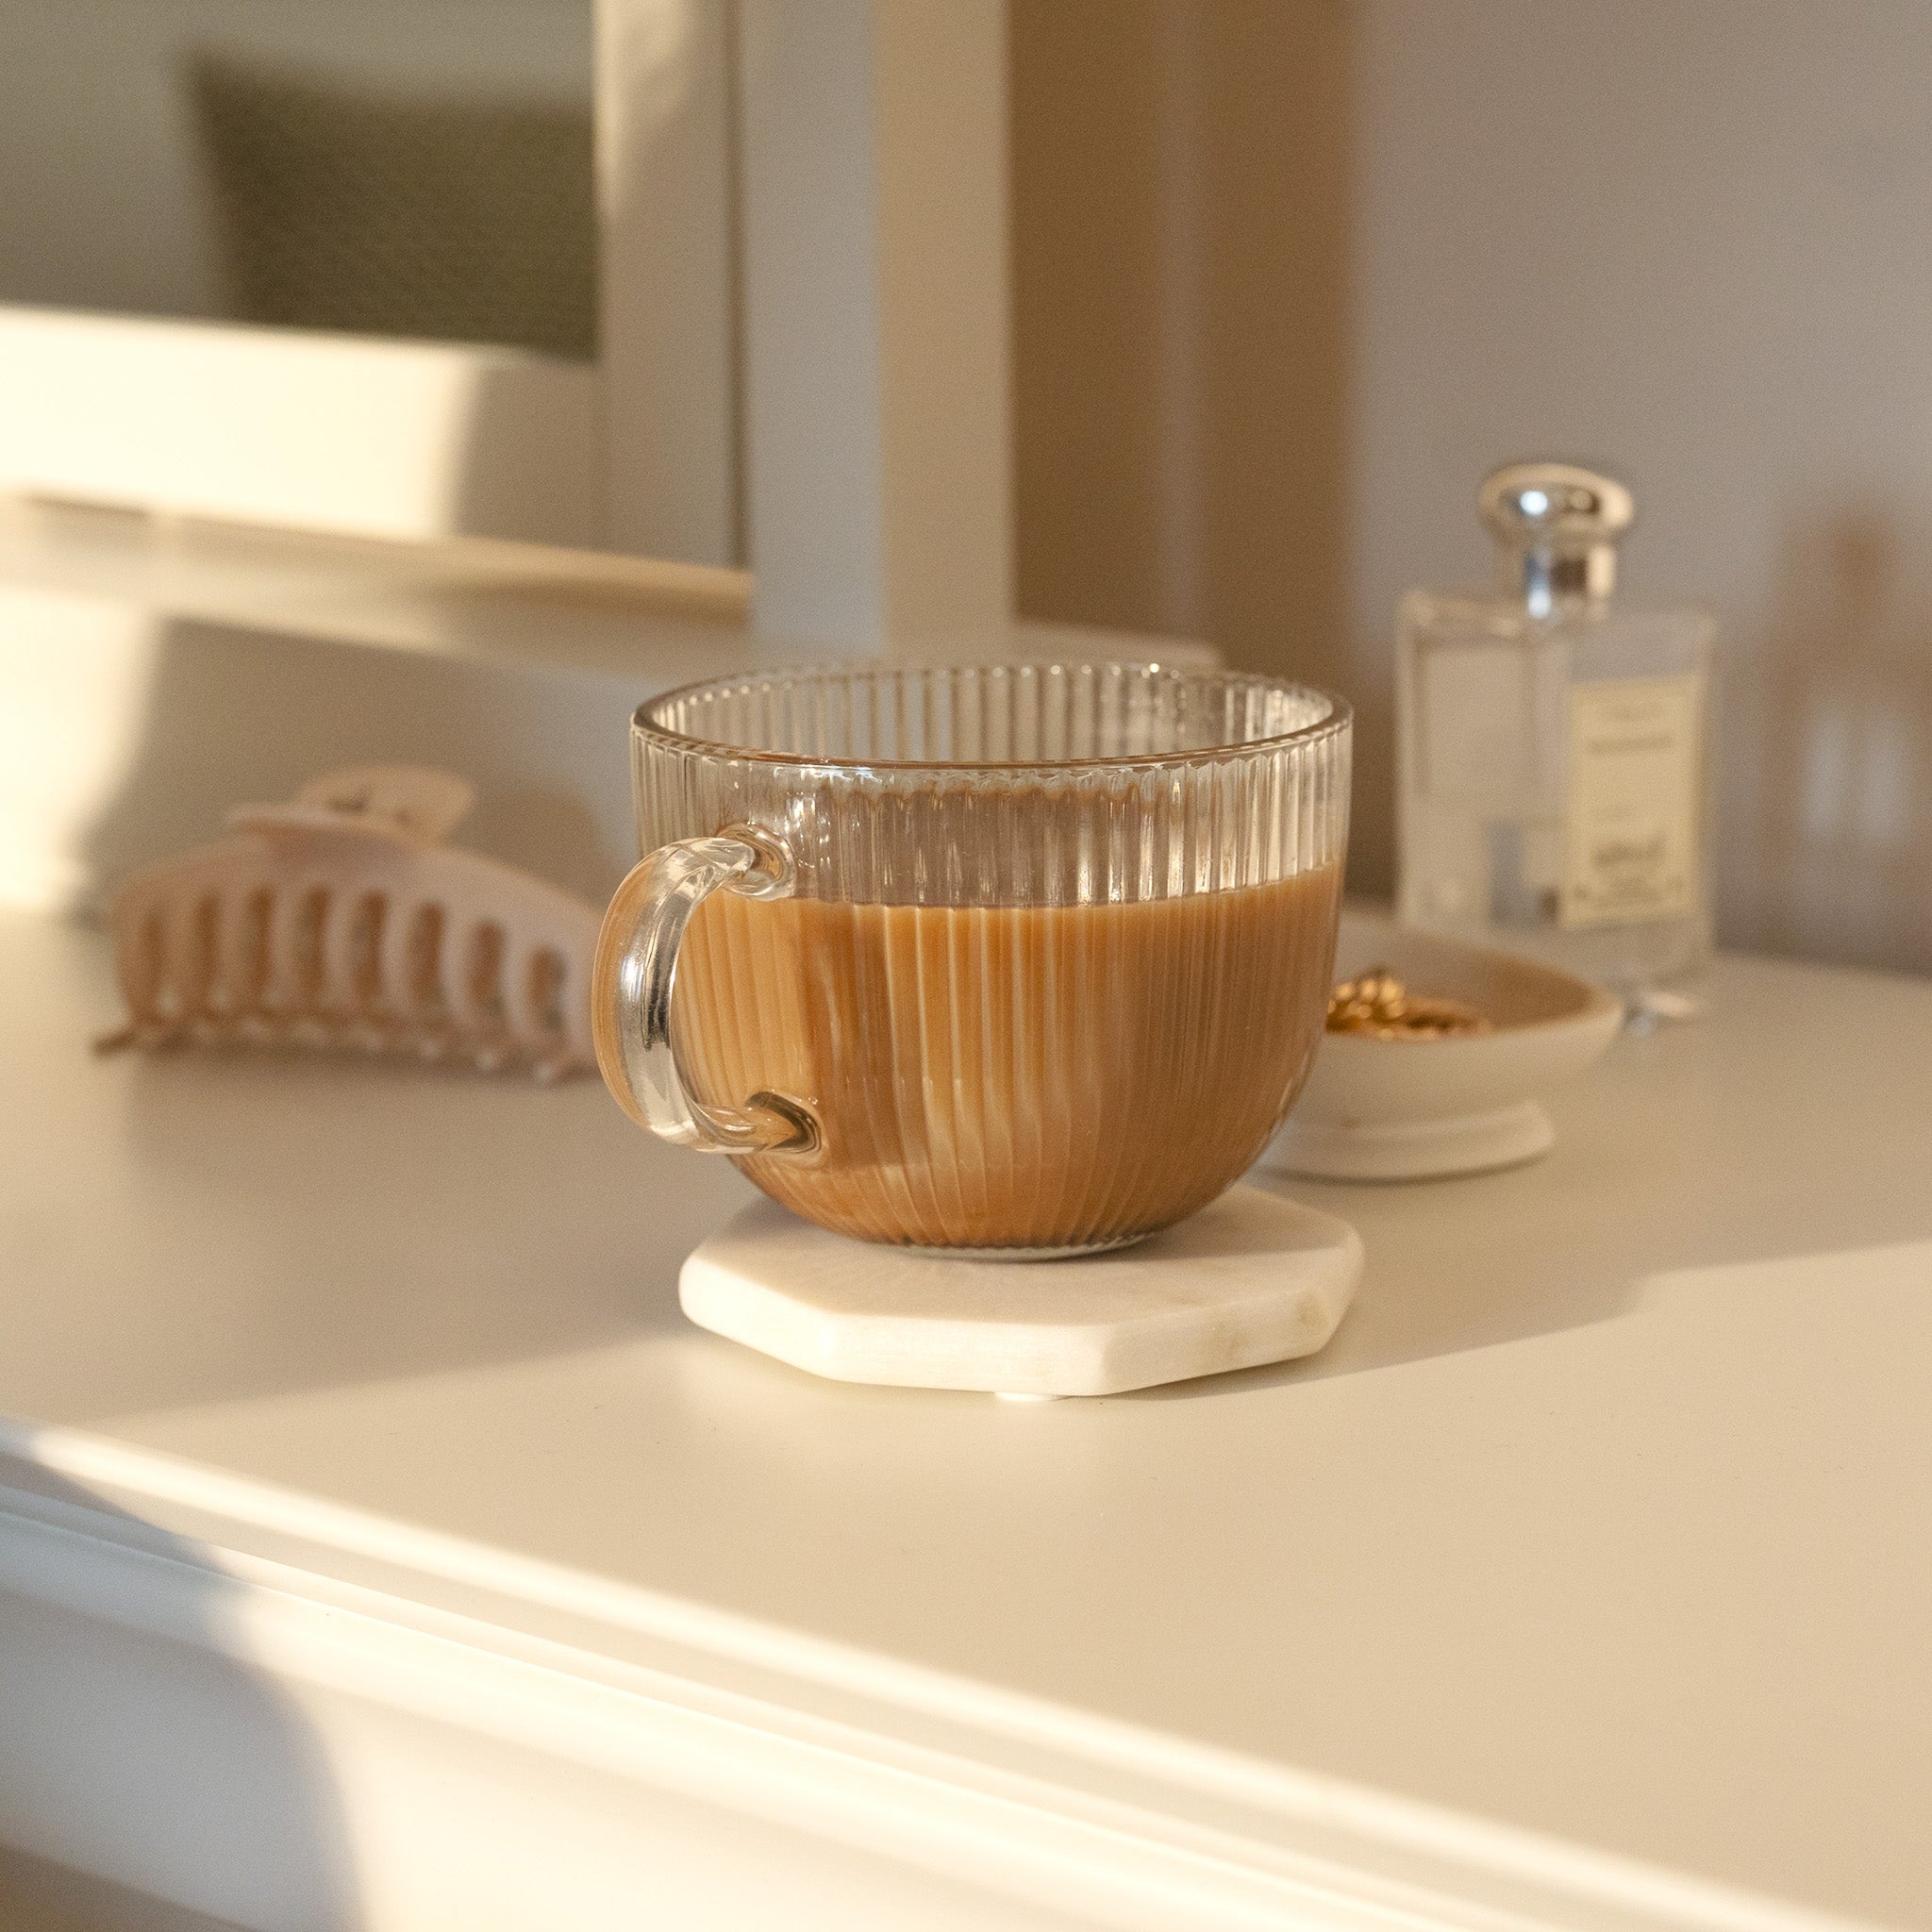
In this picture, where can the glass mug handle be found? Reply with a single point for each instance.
(632, 974)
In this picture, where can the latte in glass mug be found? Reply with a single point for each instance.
(1019, 961)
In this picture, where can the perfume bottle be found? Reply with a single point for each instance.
(1553, 751)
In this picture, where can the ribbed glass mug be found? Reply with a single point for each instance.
(1025, 961)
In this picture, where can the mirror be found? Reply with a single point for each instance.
(412, 168)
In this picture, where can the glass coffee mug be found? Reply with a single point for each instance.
(1017, 961)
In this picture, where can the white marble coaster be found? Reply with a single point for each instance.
(1252, 1278)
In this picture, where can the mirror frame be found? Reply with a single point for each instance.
(807, 334)
(423, 441)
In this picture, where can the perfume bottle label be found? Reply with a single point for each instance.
(1630, 843)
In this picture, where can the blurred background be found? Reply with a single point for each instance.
(1288, 277)
(1291, 276)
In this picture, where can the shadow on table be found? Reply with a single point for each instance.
(152, 1774)
(204, 1227)
(1784, 1124)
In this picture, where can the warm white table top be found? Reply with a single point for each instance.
(1606, 1516)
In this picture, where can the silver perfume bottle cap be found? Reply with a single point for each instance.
(1555, 529)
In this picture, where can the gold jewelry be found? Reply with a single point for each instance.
(1379, 1004)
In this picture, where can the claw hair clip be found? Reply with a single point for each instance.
(341, 921)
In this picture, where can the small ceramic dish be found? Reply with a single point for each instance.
(1403, 1110)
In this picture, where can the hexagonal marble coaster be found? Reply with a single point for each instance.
(1252, 1278)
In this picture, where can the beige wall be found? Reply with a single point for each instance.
(1180, 237)
(1292, 273)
